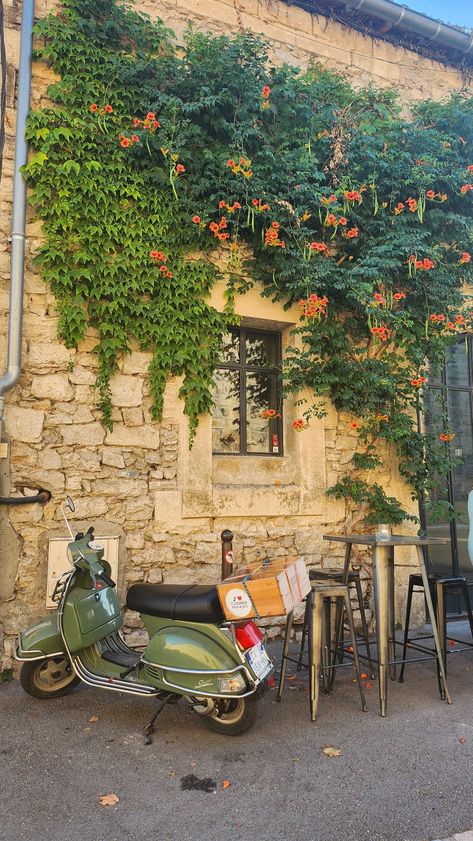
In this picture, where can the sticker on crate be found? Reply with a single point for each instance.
(238, 603)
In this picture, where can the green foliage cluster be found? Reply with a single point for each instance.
(248, 168)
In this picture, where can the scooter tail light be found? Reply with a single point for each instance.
(248, 634)
(231, 684)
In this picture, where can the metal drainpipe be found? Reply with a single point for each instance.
(17, 263)
(401, 17)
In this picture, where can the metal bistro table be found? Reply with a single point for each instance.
(383, 585)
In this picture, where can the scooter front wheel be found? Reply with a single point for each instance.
(48, 678)
(230, 717)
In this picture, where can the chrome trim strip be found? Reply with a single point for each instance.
(118, 685)
(194, 671)
(41, 656)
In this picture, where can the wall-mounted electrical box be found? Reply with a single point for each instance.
(58, 563)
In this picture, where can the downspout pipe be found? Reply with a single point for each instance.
(17, 263)
(405, 19)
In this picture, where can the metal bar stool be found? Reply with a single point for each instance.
(320, 650)
(439, 585)
(340, 576)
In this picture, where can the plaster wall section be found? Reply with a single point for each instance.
(168, 504)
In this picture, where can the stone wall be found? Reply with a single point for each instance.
(140, 482)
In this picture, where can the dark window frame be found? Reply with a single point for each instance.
(243, 369)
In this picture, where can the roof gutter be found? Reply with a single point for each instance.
(404, 19)
(17, 263)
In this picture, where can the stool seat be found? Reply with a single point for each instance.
(332, 575)
(437, 578)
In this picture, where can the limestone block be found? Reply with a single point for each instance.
(122, 488)
(52, 386)
(50, 459)
(138, 638)
(86, 394)
(113, 458)
(83, 415)
(136, 363)
(133, 416)
(126, 390)
(24, 424)
(90, 507)
(135, 540)
(88, 434)
(167, 510)
(81, 376)
(146, 437)
(206, 553)
(139, 509)
(155, 576)
(132, 619)
(51, 480)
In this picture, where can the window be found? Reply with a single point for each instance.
(247, 383)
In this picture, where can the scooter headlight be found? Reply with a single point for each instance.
(231, 684)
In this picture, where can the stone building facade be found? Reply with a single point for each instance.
(140, 482)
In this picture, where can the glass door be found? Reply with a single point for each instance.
(449, 405)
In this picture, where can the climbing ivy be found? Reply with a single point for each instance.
(159, 170)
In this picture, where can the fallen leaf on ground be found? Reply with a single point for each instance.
(226, 784)
(349, 648)
(94, 718)
(462, 740)
(330, 751)
(108, 799)
(368, 685)
(363, 675)
(172, 773)
(292, 677)
(271, 682)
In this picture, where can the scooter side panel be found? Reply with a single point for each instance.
(43, 637)
(188, 654)
(189, 646)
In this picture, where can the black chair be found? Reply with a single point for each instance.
(439, 586)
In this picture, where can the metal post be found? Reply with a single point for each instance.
(227, 553)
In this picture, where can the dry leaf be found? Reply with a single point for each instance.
(462, 740)
(330, 751)
(108, 799)
(363, 675)
(292, 677)
(172, 773)
(94, 718)
(226, 784)
(368, 685)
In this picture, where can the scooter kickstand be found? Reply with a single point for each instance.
(150, 728)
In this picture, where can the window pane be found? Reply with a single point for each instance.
(231, 349)
(457, 362)
(226, 412)
(261, 350)
(261, 394)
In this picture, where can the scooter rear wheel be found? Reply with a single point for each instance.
(232, 717)
(48, 678)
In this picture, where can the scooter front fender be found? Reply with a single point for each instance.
(42, 639)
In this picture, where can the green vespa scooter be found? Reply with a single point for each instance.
(218, 668)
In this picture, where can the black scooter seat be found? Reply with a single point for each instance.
(191, 603)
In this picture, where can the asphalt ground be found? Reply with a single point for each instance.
(407, 777)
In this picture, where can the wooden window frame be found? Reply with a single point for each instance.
(243, 369)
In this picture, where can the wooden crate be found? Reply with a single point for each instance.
(270, 589)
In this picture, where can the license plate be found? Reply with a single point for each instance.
(259, 661)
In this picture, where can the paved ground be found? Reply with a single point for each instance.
(403, 778)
